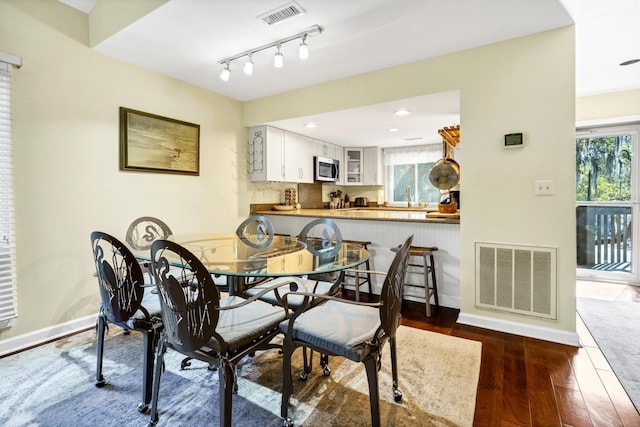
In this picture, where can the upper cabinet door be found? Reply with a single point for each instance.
(353, 166)
(298, 158)
(266, 155)
(339, 155)
(324, 149)
(372, 166)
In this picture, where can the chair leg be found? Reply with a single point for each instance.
(427, 291)
(226, 378)
(149, 340)
(157, 374)
(368, 267)
(100, 382)
(433, 279)
(324, 363)
(371, 367)
(287, 381)
(397, 394)
(307, 363)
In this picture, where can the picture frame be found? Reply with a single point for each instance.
(152, 143)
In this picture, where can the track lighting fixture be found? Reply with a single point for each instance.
(278, 59)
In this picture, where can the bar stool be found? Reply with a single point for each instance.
(355, 274)
(427, 268)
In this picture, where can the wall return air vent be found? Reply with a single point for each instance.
(281, 13)
(517, 279)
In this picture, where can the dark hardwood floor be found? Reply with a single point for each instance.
(529, 382)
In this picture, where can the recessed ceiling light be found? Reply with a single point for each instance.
(310, 125)
(402, 112)
(629, 62)
(393, 129)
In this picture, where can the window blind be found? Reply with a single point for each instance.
(8, 306)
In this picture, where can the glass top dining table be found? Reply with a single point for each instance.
(238, 257)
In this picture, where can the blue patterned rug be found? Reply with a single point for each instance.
(53, 385)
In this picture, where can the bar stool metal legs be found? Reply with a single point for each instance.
(428, 270)
(358, 280)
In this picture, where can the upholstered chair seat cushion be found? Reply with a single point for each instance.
(239, 326)
(343, 329)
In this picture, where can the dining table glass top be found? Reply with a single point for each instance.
(230, 254)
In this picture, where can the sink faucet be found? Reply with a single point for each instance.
(408, 196)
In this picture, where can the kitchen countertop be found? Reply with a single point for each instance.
(373, 214)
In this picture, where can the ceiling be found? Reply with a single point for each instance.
(187, 39)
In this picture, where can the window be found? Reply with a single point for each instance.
(8, 308)
(408, 169)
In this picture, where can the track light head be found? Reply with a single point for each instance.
(303, 50)
(278, 59)
(248, 66)
(225, 74)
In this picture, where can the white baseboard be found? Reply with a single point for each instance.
(31, 339)
(531, 331)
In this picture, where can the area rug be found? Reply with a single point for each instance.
(615, 326)
(52, 385)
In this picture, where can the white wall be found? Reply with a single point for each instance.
(522, 85)
(67, 179)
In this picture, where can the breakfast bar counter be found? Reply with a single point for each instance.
(385, 228)
(372, 214)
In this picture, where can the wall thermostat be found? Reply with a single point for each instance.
(513, 140)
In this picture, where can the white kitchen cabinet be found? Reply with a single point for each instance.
(298, 158)
(372, 166)
(266, 154)
(324, 149)
(339, 155)
(353, 166)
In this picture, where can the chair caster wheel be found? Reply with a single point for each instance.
(326, 371)
(143, 408)
(287, 422)
(303, 376)
(185, 363)
(397, 395)
(101, 383)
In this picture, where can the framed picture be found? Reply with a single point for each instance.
(151, 143)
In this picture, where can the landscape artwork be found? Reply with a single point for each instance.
(151, 143)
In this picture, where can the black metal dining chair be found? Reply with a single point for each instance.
(323, 240)
(357, 331)
(202, 325)
(124, 302)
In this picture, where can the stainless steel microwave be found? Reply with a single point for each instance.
(326, 169)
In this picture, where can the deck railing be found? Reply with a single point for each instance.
(603, 235)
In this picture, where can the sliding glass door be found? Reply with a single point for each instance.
(607, 203)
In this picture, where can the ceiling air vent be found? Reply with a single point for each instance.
(281, 13)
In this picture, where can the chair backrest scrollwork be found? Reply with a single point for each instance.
(322, 237)
(188, 296)
(145, 230)
(256, 231)
(119, 276)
